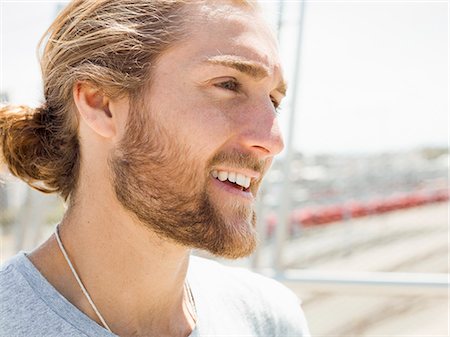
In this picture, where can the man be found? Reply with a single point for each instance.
(158, 126)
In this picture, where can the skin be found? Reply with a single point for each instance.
(200, 104)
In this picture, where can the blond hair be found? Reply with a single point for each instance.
(109, 43)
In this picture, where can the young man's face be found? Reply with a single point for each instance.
(209, 116)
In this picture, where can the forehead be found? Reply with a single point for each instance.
(224, 28)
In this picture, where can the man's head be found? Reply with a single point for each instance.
(173, 100)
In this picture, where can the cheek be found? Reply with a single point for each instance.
(199, 122)
(207, 127)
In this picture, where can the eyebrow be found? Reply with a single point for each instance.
(252, 69)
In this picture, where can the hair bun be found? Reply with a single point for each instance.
(31, 149)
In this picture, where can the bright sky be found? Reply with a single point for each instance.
(374, 74)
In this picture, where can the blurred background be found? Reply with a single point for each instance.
(353, 215)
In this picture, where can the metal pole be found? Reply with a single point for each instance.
(285, 206)
(280, 18)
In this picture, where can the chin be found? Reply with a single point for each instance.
(237, 239)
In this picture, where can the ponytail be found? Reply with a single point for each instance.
(39, 150)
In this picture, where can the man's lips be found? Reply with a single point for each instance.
(233, 189)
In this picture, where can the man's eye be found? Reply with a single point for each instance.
(276, 105)
(229, 85)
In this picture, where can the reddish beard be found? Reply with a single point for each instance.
(156, 178)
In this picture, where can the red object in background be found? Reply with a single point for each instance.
(440, 195)
(330, 214)
(271, 221)
(377, 206)
(401, 202)
(312, 216)
(306, 217)
(356, 209)
(415, 199)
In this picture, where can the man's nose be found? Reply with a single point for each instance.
(260, 132)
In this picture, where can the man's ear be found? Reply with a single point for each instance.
(94, 109)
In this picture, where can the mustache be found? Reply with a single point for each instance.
(239, 160)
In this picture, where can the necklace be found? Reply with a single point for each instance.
(83, 288)
(91, 302)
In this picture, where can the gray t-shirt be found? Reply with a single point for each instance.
(229, 302)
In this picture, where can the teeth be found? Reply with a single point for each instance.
(233, 177)
(223, 175)
(247, 182)
(241, 179)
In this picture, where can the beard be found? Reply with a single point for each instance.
(156, 178)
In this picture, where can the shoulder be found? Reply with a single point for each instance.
(12, 281)
(266, 300)
(19, 302)
(241, 280)
(24, 310)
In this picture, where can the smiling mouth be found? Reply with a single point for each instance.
(233, 179)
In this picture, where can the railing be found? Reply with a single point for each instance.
(365, 283)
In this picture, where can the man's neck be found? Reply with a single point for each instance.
(135, 278)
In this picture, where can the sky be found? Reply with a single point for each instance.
(373, 74)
